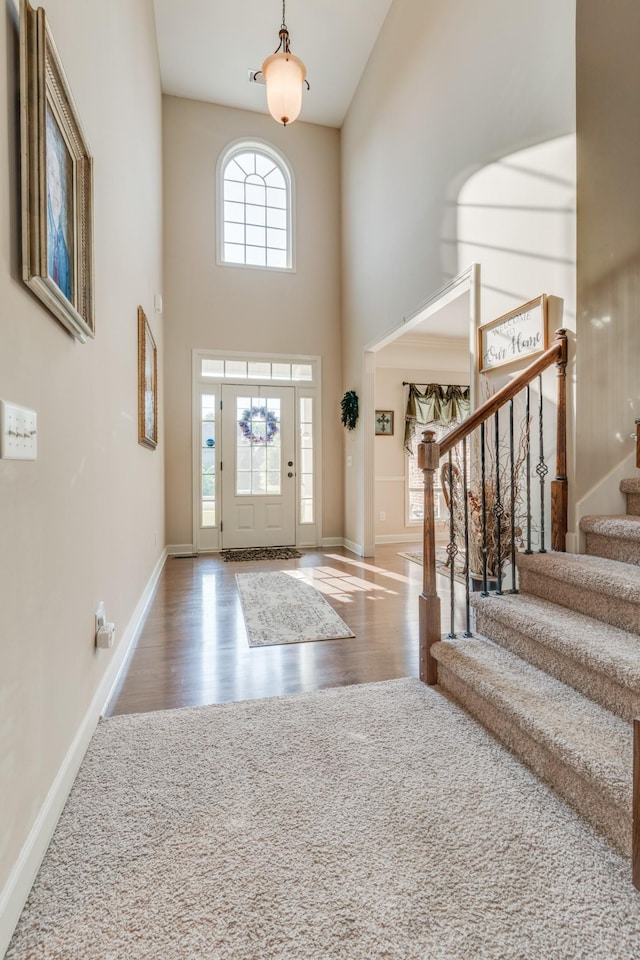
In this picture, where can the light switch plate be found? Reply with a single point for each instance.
(18, 432)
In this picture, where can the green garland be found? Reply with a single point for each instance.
(349, 406)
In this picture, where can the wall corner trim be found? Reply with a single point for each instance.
(16, 890)
(353, 547)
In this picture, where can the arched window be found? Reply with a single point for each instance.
(256, 207)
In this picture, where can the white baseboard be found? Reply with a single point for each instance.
(353, 547)
(180, 549)
(332, 542)
(398, 538)
(131, 633)
(16, 890)
(573, 543)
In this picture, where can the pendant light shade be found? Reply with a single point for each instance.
(284, 76)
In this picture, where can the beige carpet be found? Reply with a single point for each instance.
(359, 823)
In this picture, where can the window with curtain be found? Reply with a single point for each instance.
(437, 408)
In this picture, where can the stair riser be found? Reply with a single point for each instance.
(584, 796)
(607, 609)
(609, 694)
(633, 504)
(613, 548)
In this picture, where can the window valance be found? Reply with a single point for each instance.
(436, 404)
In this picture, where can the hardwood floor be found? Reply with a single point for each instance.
(193, 648)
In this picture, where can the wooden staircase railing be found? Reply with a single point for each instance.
(429, 455)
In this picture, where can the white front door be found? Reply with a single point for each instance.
(258, 466)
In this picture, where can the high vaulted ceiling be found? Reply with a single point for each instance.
(208, 47)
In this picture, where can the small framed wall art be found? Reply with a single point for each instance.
(147, 384)
(57, 182)
(384, 423)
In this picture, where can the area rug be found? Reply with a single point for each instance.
(359, 823)
(441, 564)
(260, 553)
(278, 608)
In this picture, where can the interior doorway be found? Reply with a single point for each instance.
(452, 313)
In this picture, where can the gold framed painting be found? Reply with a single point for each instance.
(57, 182)
(147, 384)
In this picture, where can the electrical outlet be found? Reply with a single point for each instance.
(105, 632)
(383, 515)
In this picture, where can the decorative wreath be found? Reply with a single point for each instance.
(261, 414)
(349, 406)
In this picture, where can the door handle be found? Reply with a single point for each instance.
(289, 474)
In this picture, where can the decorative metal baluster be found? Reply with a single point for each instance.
(528, 550)
(467, 632)
(498, 509)
(452, 550)
(484, 591)
(512, 460)
(542, 469)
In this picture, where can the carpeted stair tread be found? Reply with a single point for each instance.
(617, 538)
(623, 527)
(599, 646)
(631, 489)
(596, 574)
(584, 736)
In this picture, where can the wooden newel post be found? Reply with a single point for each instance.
(429, 602)
(559, 486)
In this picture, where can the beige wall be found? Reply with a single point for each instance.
(608, 335)
(85, 522)
(238, 309)
(434, 362)
(449, 88)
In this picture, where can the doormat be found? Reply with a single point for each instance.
(260, 553)
(279, 608)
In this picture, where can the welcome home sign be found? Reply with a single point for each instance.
(518, 335)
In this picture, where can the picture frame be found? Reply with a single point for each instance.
(57, 182)
(517, 336)
(147, 384)
(384, 423)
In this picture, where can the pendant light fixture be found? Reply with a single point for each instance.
(284, 75)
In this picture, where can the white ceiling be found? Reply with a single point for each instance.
(451, 321)
(207, 48)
